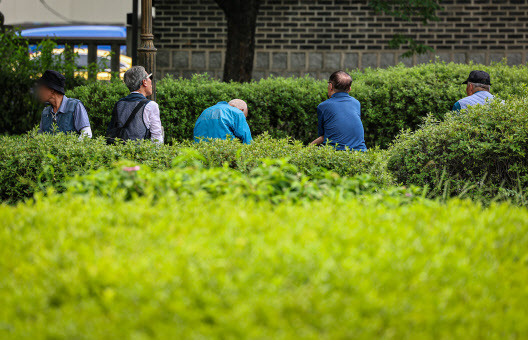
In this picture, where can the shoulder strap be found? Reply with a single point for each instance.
(136, 110)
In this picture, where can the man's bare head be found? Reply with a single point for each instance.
(239, 104)
(340, 81)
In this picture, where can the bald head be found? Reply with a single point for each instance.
(341, 81)
(239, 104)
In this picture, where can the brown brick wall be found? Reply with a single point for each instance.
(302, 36)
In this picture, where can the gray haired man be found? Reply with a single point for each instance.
(135, 117)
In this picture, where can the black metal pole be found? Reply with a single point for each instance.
(146, 50)
(135, 29)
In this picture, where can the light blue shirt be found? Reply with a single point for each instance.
(222, 121)
(479, 97)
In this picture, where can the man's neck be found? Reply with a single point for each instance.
(56, 102)
(141, 91)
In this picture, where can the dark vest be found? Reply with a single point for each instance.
(65, 120)
(122, 110)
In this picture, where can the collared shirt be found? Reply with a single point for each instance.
(80, 116)
(339, 122)
(152, 120)
(222, 121)
(479, 97)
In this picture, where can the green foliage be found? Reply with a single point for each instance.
(97, 268)
(20, 111)
(398, 98)
(479, 151)
(392, 99)
(274, 180)
(33, 162)
(99, 99)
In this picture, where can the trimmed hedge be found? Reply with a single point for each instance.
(482, 151)
(77, 267)
(33, 162)
(275, 180)
(392, 99)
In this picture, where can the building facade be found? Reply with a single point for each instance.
(24, 13)
(298, 37)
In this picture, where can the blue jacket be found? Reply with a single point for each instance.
(222, 121)
(339, 121)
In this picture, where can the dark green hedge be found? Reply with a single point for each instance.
(393, 99)
(34, 162)
(482, 151)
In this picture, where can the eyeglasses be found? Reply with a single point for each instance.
(149, 76)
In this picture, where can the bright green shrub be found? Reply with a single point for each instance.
(478, 151)
(273, 180)
(32, 162)
(84, 267)
(392, 99)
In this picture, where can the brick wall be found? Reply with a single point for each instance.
(296, 37)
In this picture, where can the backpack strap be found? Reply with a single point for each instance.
(136, 110)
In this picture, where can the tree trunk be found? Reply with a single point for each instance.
(241, 26)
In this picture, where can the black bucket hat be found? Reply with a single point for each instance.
(54, 80)
(480, 77)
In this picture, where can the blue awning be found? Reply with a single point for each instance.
(77, 31)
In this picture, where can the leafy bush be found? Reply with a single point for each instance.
(20, 111)
(398, 98)
(95, 268)
(481, 151)
(274, 180)
(33, 162)
(392, 99)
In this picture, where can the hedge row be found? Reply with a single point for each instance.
(392, 99)
(480, 152)
(483, 151)
(76, 267)
(275, 180)
(33, 162)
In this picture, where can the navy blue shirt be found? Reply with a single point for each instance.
(340, 122)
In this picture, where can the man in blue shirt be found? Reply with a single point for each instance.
(340, 116)
(478, 91)
(222, 121)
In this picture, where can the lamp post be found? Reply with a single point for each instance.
(146, 50)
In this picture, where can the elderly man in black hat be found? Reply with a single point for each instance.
(63, 114)
(477, 89)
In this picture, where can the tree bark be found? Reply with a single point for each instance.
(241, 27)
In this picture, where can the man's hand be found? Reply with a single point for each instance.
(318, 140)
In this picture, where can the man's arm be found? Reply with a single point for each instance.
(320, 128)
(242, 130)
(153, 114)
(81, 121)
(318, 140)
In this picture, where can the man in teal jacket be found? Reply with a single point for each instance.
(222, 121)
